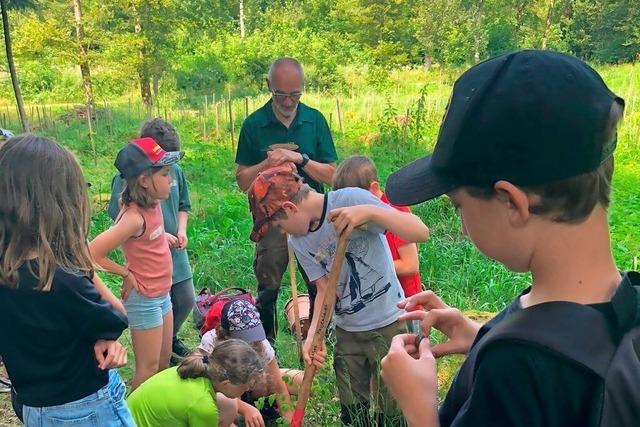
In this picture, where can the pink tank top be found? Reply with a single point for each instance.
(148, 256)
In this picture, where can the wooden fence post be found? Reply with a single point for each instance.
(339, 115)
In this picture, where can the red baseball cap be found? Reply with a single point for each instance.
(141, 154)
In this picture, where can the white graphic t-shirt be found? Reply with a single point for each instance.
(369, 289)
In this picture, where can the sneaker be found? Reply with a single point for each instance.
(179, 349)
(5, 384)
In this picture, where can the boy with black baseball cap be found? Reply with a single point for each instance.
(525, 154)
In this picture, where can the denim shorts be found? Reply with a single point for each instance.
(104, 408)
(145, 312)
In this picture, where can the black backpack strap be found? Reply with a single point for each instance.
(626, 301)
(574, 331)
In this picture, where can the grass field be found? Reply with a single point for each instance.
(219, 248)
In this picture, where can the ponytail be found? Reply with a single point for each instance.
(232, 360)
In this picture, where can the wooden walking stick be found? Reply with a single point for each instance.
(326, 312)
(294, 297)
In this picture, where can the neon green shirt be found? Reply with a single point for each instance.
(165, 399)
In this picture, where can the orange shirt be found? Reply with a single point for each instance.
(411, 285)
(148, 255)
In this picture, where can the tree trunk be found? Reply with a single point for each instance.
(427, 61)
(156, 85)
(479, 15)
(85, 71)
(12, 69)
(143, 70)
(547, 24)
(241, 19)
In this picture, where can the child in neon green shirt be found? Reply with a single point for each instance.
(201, 391)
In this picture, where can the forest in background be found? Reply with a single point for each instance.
(179, 49)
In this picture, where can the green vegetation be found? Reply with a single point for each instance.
(393, 127)
(171, 49)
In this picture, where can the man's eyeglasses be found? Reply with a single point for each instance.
(281, 96)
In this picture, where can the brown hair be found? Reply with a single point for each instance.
(162, 132)
(573, 199)
(133, 192)
(355, 171)
(296, 198)
(45, 210)
(231, 359)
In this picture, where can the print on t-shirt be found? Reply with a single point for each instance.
(363, 283)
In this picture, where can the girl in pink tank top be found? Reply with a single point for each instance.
(139, 230)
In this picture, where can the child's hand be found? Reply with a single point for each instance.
(182, 240)
(318, 356)
(460, 330)
(410, 375)
(172, 240)
(252, 417)
(110, 354)
(128, 283)
(349, 218)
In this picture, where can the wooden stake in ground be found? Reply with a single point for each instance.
(233, 138)
(294, 297)
(326, 312)
(339, 114)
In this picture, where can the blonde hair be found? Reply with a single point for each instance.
(355, 171)
(233, 360)
(44, 209)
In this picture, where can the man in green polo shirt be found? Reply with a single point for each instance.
(282, 120)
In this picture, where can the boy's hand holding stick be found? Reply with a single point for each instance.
(326, 313)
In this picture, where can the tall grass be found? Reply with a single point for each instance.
(219, 248)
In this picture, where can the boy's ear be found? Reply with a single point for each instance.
(374, 187)
(516, 200)
(289, 206)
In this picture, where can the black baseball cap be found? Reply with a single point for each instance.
(529, 117)
(141, 154)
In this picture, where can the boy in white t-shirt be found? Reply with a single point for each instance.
(366, 309)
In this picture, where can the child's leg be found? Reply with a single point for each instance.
(353, 377)
(167, 340)
(183, 297)
(227, 410)
(377, 347)
(149, 325)
(147, 345)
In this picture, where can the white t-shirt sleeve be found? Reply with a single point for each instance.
(269, 352)
(310, 266)
(352, 196)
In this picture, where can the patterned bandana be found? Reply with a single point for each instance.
(242, 320)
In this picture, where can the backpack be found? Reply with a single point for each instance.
(614, 356)
(208, 307)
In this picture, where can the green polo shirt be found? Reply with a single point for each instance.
(178, 201)
(309, 130)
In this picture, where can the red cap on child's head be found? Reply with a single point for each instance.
(267, 194)
(141, 154)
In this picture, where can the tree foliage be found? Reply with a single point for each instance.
(194, 46)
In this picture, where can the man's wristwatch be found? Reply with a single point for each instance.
(305, 160)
